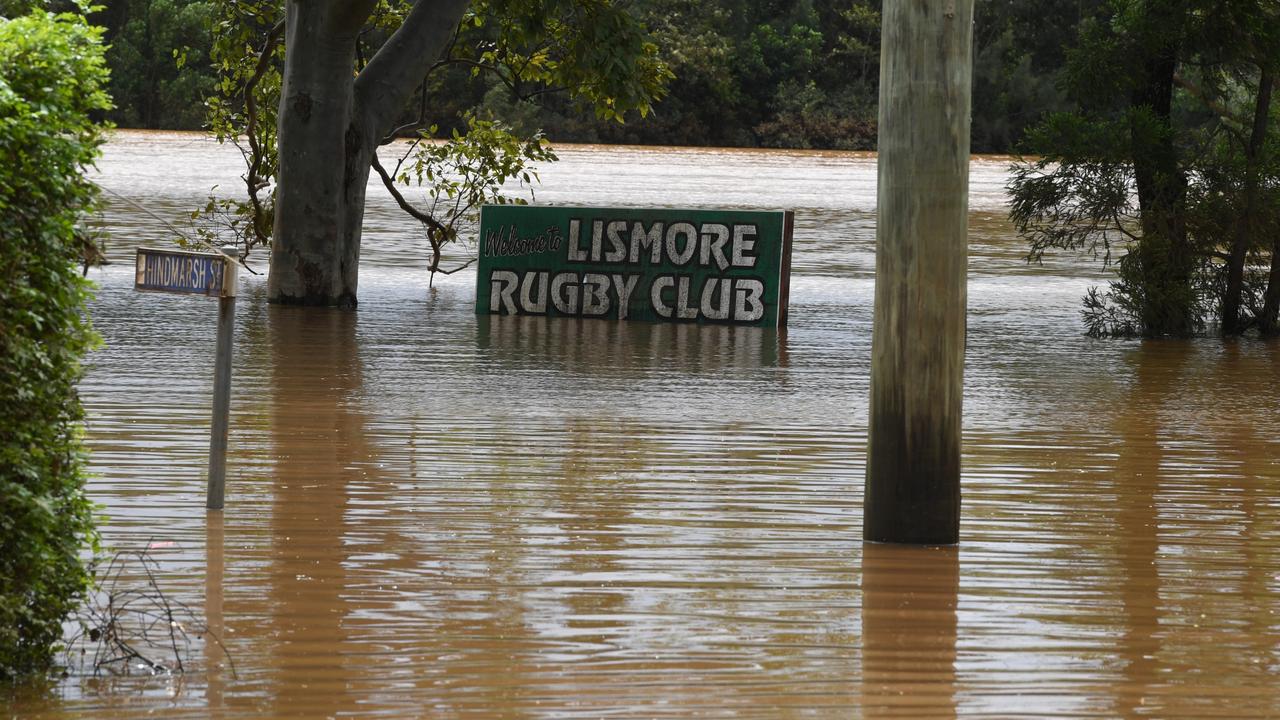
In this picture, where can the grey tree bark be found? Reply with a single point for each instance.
(918, 339)
(330, 123)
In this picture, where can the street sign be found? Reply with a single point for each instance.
(213, 275)
(706, 266)
(178, 271)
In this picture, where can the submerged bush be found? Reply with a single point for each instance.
(51, 80)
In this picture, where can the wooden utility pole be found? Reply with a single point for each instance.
(917, 345)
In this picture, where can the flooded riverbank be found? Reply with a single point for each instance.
(438, 515)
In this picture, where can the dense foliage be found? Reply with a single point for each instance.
(1168, 164)
(52, 75)
(788, 73)
(159, 60)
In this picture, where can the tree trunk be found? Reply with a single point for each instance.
(1164, 259)
(320, 196)
(330, 124)
(1245, 232)
(1269, 323)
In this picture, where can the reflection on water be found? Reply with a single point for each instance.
(217, 663)
(434, 514)
(909, 630)
(1137, 481)
(633, 351)
(321, 452)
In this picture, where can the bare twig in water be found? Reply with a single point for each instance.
(130, 625)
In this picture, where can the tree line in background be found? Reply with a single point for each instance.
(781, 73)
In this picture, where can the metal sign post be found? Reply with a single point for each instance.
(214, 276)
(222, 386)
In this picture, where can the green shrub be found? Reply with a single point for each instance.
(51, 79)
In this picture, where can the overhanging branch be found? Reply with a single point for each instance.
(404, 204)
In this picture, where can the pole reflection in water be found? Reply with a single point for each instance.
(909, 598)
(215, 659)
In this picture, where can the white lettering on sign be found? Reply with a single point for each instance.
(564, 293)
(660, 285)
(679, 243)
(617, 246)
(503, 284)
(683, 255)
(715, 305)
(711, 247)
(642, 239)
(595, 300)
(624, 285)
(175, 272)
(679, 297)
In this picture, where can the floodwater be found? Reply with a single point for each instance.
(432, 514)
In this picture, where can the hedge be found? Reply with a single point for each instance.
(52, 76)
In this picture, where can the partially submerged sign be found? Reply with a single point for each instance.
(719, 266)
(213, 275)
(179, 271)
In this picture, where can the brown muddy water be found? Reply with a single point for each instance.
(431, 514)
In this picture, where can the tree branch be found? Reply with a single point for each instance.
(417, 214)
(1119, 223)
(399, 66)
(1230, 120)
(252, 179)
(463, 266)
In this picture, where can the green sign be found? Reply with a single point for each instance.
(715, 266)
